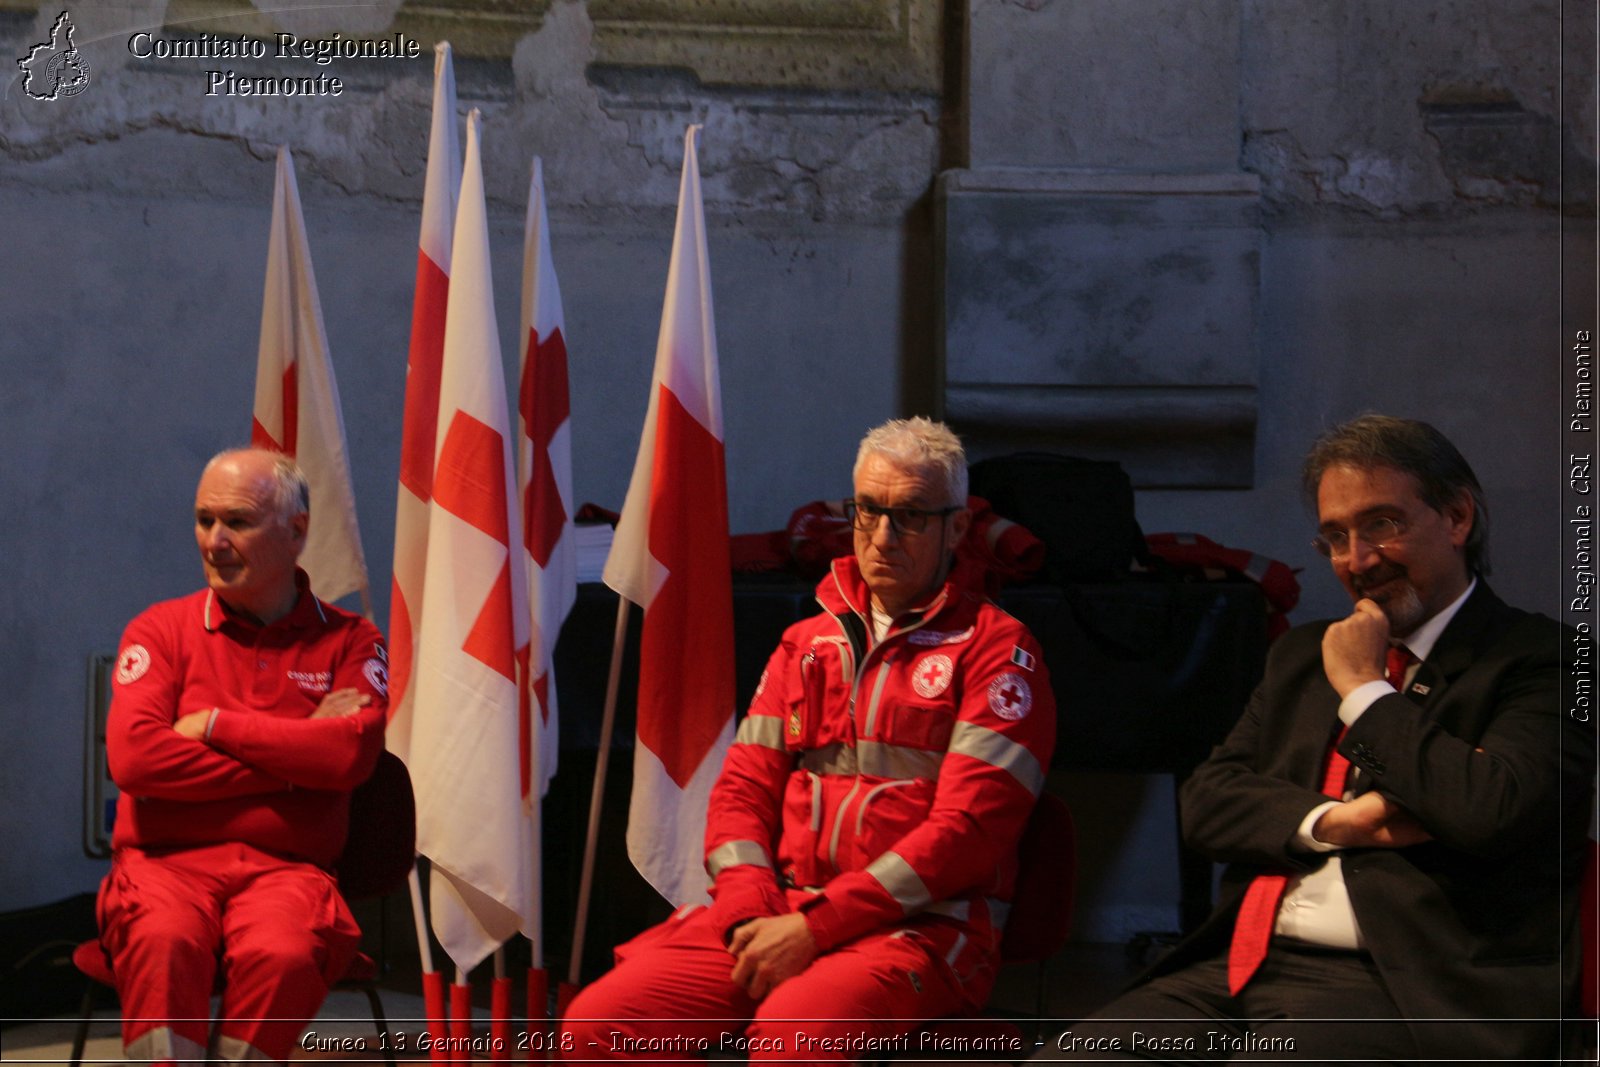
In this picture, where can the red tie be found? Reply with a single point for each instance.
(1259, 913)
(1395, 665)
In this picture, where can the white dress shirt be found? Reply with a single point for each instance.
(1316, 905)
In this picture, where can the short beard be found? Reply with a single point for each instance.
(1404, 610)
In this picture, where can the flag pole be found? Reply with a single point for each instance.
(500, 1009)
(602, 758)
(538, 978)
(461, 1009)
(432, 980)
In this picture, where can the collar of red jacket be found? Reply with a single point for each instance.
(307, 610)
(843, 589)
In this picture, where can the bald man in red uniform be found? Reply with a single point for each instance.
(241, 717)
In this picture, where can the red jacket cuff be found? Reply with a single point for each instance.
(741, 894)
(853, 904)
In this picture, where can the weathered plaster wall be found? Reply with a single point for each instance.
(131, 359)
(1408, 256)
(132, 366)
(1413, 160)
(1149, 85)
(1415, 108)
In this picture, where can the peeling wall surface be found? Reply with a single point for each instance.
(1420, 169)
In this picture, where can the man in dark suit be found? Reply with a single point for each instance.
(1402, 807)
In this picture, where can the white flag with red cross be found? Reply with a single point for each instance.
(297, 400)
(545, 475)
(670, 557)
(473, 822)
(418, 430)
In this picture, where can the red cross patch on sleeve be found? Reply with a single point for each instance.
(1009, 696)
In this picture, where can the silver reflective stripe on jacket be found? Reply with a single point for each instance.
(880, 759)
(999, 910)
(836, 758)
(900, 882)
(955, 950)
(877, 695)
(733, 853)
(765, 731)
(997, 750)
(886, 760)
(838, 823)
(960, 910)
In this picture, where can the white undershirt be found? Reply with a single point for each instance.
(1316, 905)
(880, 625)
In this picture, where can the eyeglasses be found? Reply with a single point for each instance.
(903, 521)
(1378, 533)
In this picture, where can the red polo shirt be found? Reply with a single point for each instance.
(267, 775)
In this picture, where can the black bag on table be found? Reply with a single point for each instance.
(1082, 509)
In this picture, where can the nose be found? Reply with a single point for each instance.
(1363, 557)
(884, 533)
(214, 538)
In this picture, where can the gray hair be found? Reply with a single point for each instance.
(291, 493)
(922, 443)
(1413, 448)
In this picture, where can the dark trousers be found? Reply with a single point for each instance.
(1305, 1005)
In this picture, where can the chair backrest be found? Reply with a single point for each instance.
(382, 845)
(1047, 869)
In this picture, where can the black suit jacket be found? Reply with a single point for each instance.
(1479, 923)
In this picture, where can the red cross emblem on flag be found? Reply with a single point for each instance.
(931, 676)
(1009, 696)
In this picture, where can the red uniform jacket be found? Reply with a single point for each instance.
(886, 786)
(269, 775)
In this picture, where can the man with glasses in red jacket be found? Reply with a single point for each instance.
(861, 838)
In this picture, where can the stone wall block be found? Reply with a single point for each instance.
(1105, 315)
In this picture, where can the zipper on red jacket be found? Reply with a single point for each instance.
(855, 628)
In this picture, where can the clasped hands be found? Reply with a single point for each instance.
(335, 705)
(770, 950)
(1370, 820)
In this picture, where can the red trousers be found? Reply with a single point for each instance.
(671, 996)
(279, 931)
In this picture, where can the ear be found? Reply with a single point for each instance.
(1459, 514)
(960, 523)
(298, 525)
